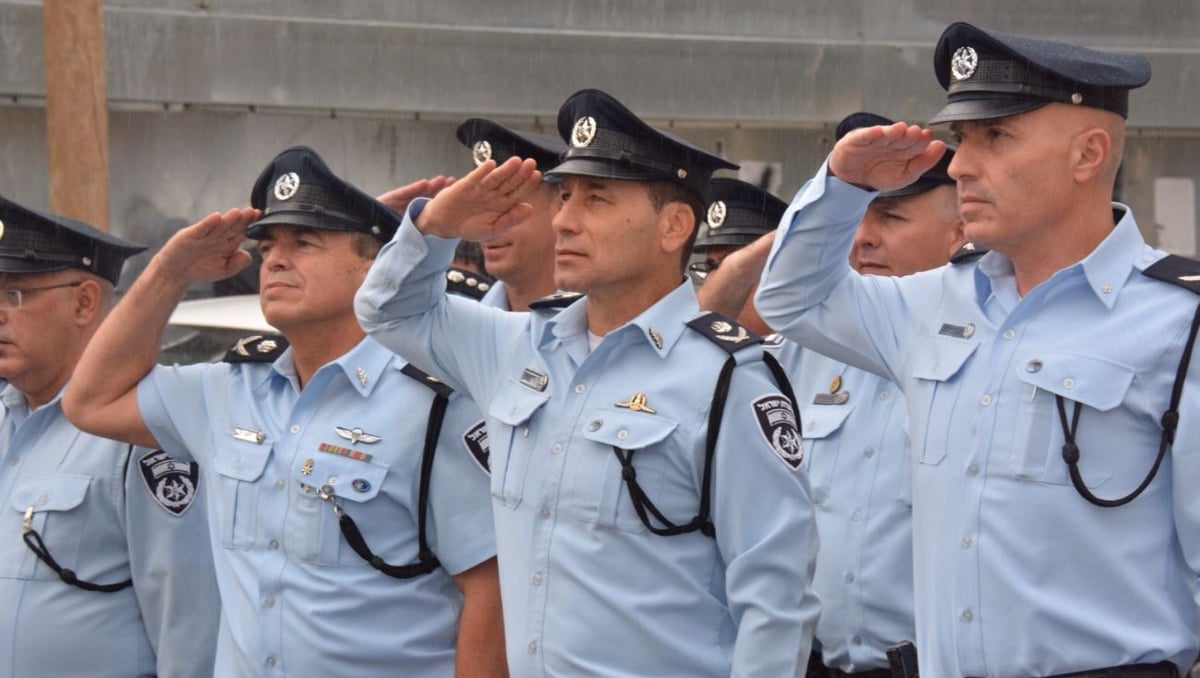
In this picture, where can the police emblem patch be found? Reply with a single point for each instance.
(716, 214)
(476, 441)
(172, 483)
(481, 152)
(963, 63)
(584, 132)
(777, 423)
(287, 185)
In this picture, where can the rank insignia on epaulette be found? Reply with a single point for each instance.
(968, 252)
(1176, 270)
(773, 341)
(724, 332)
(171, 483)
(558, 300)
(256, 348)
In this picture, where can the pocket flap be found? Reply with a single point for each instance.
(821, 422)
(515, 403)
(627, 430)
(51, 493)
(939, 357)
(1098, 383)
(351, 479)
(242, 460)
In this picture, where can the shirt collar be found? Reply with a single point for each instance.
(363, 365)
(660, 325)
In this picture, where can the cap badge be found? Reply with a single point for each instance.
(963, 63)
(481, 152)
(636, 403)
(286, 185)
(716, 214)
(584, 132)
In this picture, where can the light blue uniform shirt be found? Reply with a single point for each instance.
(587, 589)
(98, 517)
(857, 460)
(1016, 574)
(298, 601)
(496, 297)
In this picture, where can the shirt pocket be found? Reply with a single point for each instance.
(937, 363)
(511, 444)
(238, 465)
(54, 500)
(312, 532)
(820, 422)
(1099, 384)
(601, 495)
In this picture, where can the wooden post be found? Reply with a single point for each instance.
(76, 109)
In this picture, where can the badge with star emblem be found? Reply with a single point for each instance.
(584, 132)
(287, 185)
(963, 63)
(481, 152)
(716, 214)
(171, 483)
(777, 423)
(476, 441)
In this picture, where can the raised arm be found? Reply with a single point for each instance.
(101, 397)
(726, 289)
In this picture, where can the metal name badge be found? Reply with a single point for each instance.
(957, 331)
(248, 435)
(534, 380)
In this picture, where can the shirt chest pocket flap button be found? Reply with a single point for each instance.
(511, 444)
(936, 363)
(602, 492)
(53, 498)
(239, 465)
(1100, 386)
(313, 533)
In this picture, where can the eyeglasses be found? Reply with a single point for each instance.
(700, 269)
(11, 299)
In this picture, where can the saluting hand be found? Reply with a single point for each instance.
(885, 157)
(209, 249)
(483, 204)
(398, 198)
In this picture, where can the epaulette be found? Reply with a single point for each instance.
(256, 348)
(967, 253)
(432, 382)
(468, 283)
(1176, 270)
(558, 300)
(724, 332)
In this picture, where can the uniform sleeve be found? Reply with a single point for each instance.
(809, 293)
(461, 531)
(172, 404)
(1185, 472)
(404, 306)
(171, 562)
(765, 529)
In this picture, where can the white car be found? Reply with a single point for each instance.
(202, 330)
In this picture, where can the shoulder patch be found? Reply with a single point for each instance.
(777, 423)
(1176, 270)
(967, 253)
(476, 441)
(558, 300)
(256, 348)
(173, 484)
(724, 332)
(437, 385)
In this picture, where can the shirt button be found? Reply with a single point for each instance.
(332, 480)
(42, 500)
(1009, 334)
(269, 602)
(968, 616)
(966, 542)
(13, 461)
(1068, 383)
(973, 470)
(532, 647)
(818, 500)
(545, 513)
(857, 640)
(595, 425)
(580, 388)
(884, 395)
(295, 428)
(279, 484)
(555, 448)
(856, 516)
(622, 435)
(870, 452)
(273, 544)
(270, 661)
(1033, 365)
(985, 399)
(537, 579)
(849, 577)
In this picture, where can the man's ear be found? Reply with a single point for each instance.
(90, 302)
(1091, 150)
(676, 221)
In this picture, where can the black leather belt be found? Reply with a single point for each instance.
(871, 673)
(1159, 670)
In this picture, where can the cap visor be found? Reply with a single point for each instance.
(295, 218)
(983, 109)
(20, 264)
(601, 169)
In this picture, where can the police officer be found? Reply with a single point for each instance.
(106, 568)
(355, 540)
(523, 256)
(1037, 376)
(623, 552)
